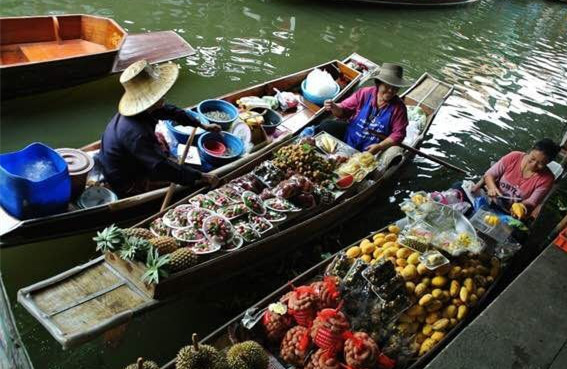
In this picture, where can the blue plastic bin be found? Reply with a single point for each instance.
(315, 99)
(34, 182)
(234, 146)
(218, 105)
(180, 135)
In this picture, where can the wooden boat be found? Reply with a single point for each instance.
(39, 53)
(14, 231)
(67, 304)
(416, 3)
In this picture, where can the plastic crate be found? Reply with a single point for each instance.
(500, 232)
(561, 240)
(35, 182)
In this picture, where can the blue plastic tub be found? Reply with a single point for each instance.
(318, 100)
(208, 106)
(271, 119)
(234, 148)
(35, 182)
(180, 135)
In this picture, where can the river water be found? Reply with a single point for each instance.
(506, 58)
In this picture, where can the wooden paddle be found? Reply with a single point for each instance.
(171, 188)
(420, 153)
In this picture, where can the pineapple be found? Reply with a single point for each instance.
(155, 265)
(138, 232)
(164, 244)
(109, 239)
(181, 259)
(135, 248)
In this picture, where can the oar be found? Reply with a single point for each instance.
(420, 153)
(171, 188)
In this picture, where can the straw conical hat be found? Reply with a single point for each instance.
(392, 74)
(145, 84)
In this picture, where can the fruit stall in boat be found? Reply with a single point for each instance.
(268, 206)
(77, 219)
(40, 53)
(390, 300)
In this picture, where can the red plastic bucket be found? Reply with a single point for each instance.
(214, 147)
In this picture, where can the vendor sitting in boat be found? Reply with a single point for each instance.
(520, 181)
(134, 159)
(378, 108)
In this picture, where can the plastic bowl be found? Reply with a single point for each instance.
(315, 99)
(182, 135)
(271, 119)
(234, 148)
(215, 147)
(207, 106)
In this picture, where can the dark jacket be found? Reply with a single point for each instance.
(130, 152)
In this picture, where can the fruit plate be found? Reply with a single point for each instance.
(197, 216)
(231, 191)
(281, 205)
(253, 202)
(203, 201)
(246, 232)
(260, 224)
(204, 247)
(218, 229)
(177, 218)
(188, 235)
(433, 259)
(275, 216)
(233, 211)
(159, 228)
(234, 245)
(344, 182)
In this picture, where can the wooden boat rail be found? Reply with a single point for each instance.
(222, 266)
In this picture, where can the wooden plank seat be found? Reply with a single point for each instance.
(43, 51)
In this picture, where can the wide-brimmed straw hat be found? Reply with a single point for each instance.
(392, 74)
(145, 84)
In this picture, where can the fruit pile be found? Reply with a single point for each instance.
(440, 298)
(302, 158)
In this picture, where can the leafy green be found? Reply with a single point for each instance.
(109, 239)
(156, 267)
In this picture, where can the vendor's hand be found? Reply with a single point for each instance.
(334, 108)
(493, 192)
(212, 127)
(374, 149)
(518, 210)
(162, 142)
(211, 179)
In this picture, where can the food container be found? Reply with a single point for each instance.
(79, 165)
(158, 228)
(281, 205)
(177, 218)
(182, 133)
(234, 244)
(500, 232)
(204, 247)
(203, 201)
(233, 211)
(188, 236)
(316, 99)
(96, 196)
(218, 230)
(208, 107)
(234, 148)
(271, 119)
(247, 233)
(275, 216)
(196, 217)
(253, 202)
(433, 259)
(260, 224)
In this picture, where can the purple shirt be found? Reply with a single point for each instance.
(354, 103)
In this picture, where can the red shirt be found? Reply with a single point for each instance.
(354, 103)
(508, 175)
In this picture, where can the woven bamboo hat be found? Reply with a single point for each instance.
(392, 74)
(145, 84)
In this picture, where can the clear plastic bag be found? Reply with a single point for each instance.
(320, 83)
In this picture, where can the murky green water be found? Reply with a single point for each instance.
(506, 58)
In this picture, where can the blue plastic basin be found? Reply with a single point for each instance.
(35, 182)
(207, 106)
(234, 148)
(318, 100)
(180, 135)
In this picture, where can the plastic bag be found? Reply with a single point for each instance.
(320, 83)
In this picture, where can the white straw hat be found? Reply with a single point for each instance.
(145, 84)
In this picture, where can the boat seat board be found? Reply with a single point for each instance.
(429, 93)
(143, 46)
(82, 301)
(43, 51)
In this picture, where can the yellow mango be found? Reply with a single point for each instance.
(353, 252)
(437, 293)
(403, 253)
(425, 300)
(437, 336)
(420, 289)
(366, 258)
(367, 248)
(450, 311)
(422, 269)
(413, 258)
(439, 281)
(441, 324)
(401, 262)
(409, 272)
(435, 305)
(454, 289)
(378, 242)
(464, 294)
(377, 254)
(432, 318)
(391, 237)
(392, 228)
(426, 346)
(378, 235)
(427, 330)
(462, 312)
(410, 287)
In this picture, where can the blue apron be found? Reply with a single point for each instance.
(369, 117)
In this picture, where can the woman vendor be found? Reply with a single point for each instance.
(377, 108)
(520, 181)
(135, 159)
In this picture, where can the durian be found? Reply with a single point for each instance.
(247, 355)
(142, 364)
(198, 356)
